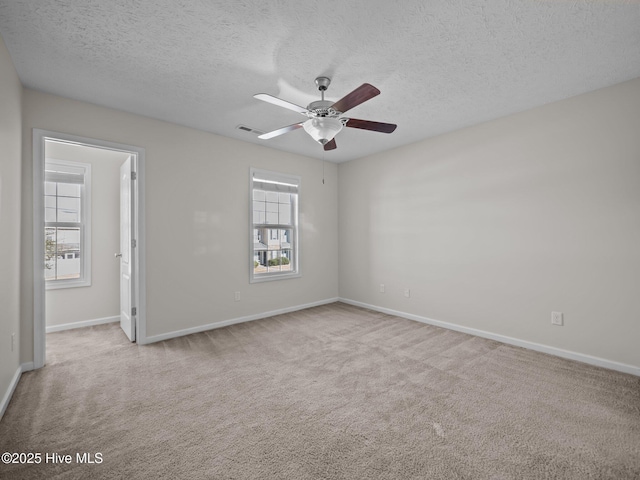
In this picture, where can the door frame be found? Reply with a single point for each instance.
(138, 232)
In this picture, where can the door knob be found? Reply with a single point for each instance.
(118, 255)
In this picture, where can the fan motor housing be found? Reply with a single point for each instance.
(322, 108)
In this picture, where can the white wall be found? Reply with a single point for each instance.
(101, 299)
(10, 161)
(197, 205)
(495, 226)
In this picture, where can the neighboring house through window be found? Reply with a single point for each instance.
(274, 225)
(67, 206)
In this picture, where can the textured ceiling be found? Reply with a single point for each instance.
(440, 65)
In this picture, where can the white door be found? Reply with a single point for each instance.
(127, 315)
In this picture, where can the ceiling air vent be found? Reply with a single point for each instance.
(249, 129)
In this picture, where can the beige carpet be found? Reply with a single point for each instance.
(333, 392)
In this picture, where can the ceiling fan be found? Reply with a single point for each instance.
(325, 118)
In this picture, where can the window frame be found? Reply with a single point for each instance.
(84, 225)
(294, 226)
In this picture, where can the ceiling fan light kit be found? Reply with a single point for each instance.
(325, 118)
(323, 130)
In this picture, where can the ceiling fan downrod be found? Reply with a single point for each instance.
(323, 83)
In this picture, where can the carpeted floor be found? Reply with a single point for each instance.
(333, 392)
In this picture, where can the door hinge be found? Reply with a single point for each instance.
(134, 243)
(134, 311)
(134, 176)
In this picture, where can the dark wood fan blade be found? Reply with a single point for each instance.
(369, 125)
(280, 131)
(361, 94)
(330, 145)
(279, 102)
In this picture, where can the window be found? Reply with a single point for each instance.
(67, 229)
(274, 226)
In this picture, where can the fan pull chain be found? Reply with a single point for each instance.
(323, 166)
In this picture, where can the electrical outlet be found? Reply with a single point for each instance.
(407, 293)
(556, 319)
(382, 288)
(237, 296)
(13, 342)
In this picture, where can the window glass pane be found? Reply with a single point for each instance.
(49, 188)
(272, 218)
(272, 197)
(68, 209)
(284, 198)
(258, 206)
(68, 190)
(284, 212)
(278, 261)
(49, 209)
(259, 211)
(285, 236)
(257, 237)
(271, 207)
(272, 212)
(49, 253)
(68, 253)
(259, 195)
(259, 217)
(68, 239)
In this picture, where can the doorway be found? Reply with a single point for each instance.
(63, 239)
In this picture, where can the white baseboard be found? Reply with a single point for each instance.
(558, 352)
(26, 367)
(233, 321)
(83, 323)
(9, 393)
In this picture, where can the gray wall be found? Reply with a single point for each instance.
(10, 162)
(494, 227)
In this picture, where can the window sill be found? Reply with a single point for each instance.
(60, 284)
(274, 276)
